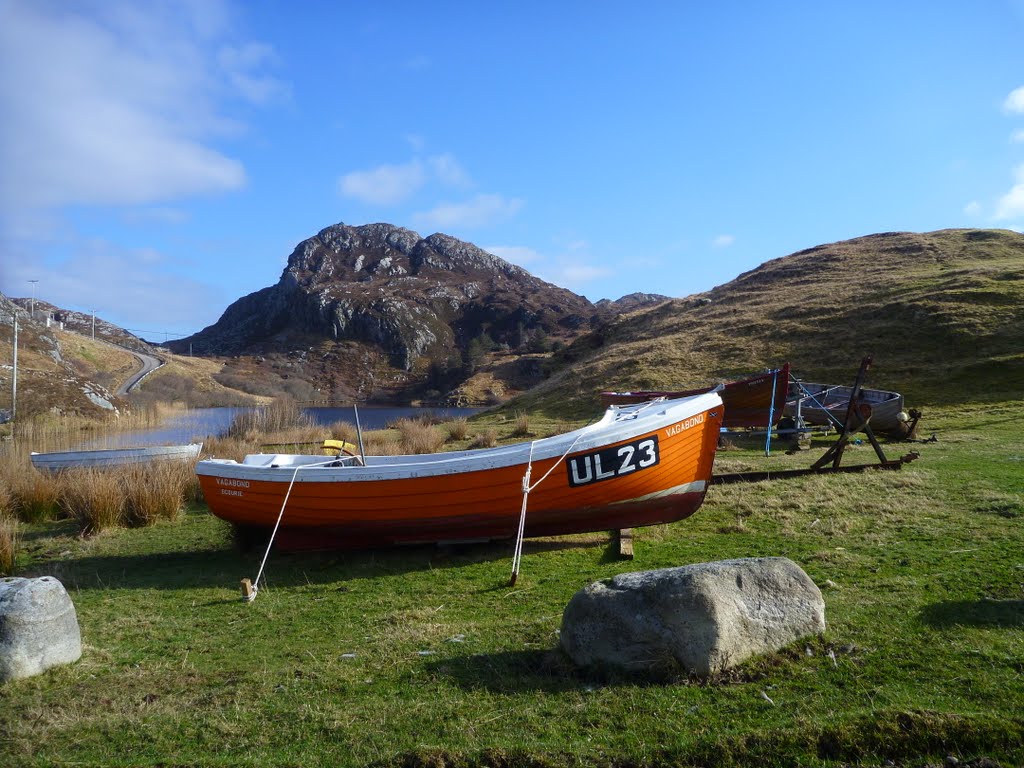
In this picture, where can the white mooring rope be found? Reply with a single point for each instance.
(517, 554)
(250, 596)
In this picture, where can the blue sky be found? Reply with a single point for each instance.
(159, 160)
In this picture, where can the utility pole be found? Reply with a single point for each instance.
(14, 378)
(94, 325)
(32, 306)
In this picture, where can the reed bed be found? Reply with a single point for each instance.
(283, 414)
(45, 433)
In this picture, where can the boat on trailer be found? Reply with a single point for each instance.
(826, 405)
(638, 465)
(113, 457)
(756, 401)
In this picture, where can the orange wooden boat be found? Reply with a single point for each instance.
(639, 465)
(748, 402)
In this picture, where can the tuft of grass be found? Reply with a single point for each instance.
(457, 429)
(37, 495)
(94, 499)
(486, 439)
(8, 544)
(418, 436)
(154, 492)
(521, 424)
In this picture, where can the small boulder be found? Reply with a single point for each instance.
(38, 627)
(706, 617)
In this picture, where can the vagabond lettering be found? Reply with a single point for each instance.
(693, 421)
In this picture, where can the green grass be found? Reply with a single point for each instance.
(423, 656)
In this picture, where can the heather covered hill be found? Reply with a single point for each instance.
(941, 312)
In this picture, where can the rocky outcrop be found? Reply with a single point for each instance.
(386, 286)
(705, 618)
(631, 302)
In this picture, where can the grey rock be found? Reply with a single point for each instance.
(706, 617)
(38, 627)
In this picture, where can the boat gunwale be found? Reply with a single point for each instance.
(618, 424)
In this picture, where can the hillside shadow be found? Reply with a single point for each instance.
(1005, 614)
(226, 565)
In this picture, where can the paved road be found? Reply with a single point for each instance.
(149, 364)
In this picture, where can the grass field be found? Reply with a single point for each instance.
(423, 656)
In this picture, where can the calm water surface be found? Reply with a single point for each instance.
(194, 425)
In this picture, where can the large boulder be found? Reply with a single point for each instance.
(38, 627)
(705, 617)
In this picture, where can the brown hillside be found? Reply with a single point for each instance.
(942, 314)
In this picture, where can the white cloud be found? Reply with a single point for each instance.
(385, 184)
(115, 103)
(477, 212)
(390, 184)
(1015, 101)
(124, 286)
(1011, 205)
(723, 241)
(973, 208)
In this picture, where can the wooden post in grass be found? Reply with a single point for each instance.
(248, 593)
(625, 537)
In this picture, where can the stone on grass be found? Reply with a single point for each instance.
(38, 627)
(706, 618)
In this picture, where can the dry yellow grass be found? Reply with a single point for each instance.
(94, 499)
(457, 429)
(8, 545)
(486, 439)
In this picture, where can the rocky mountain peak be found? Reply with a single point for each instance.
(410, 296)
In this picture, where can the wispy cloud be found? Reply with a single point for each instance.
(243, 66)
(572, 268)
(449, 171)
(390, 184)
(120, 284)
(476, 212)
(1011, 205)
(723, 241)
(1017, 137)
(385, 184)
(127, 110)
(1015, 101)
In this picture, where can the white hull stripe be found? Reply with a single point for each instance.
(697, 486)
